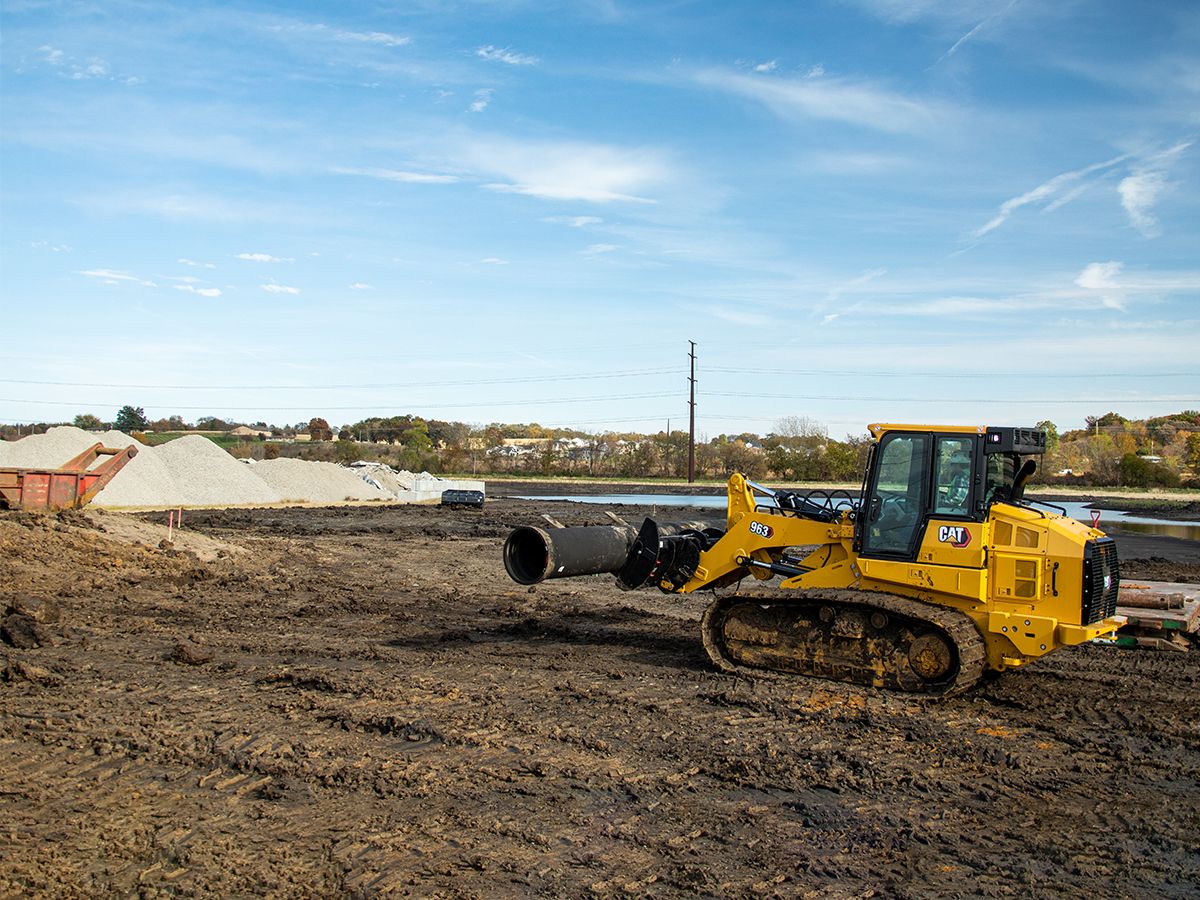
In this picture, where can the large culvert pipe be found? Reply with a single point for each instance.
(535, 554)
(532, 555)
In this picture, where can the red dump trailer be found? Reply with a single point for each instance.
(70, 486)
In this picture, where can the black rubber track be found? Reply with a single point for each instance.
(954, 625)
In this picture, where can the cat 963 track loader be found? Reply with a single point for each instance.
(937, 572)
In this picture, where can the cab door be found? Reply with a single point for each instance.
(897, 496)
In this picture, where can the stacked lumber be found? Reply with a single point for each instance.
(1160, 615)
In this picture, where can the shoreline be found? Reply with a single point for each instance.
(1183, 506)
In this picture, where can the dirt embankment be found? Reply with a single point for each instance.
(357, 701)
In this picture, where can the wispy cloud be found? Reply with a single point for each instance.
(493, 261)
(505, 55)
(1141, 190)
(201, 291)
(194, 264)
(855, 163)
(81, 69)
(568, 170)
(361, 286)
(1101, 279)
(373, 37)
(904, 11)
(974, 31)
(264, 258)
(597, 249)
(483, 97)
(196, 207)
(574, 221)
(1049, 194)
(378, 38)
(767, 66)
(858, 103)
(111, 276)
(273, 288)
(399, 175)
(738, 316)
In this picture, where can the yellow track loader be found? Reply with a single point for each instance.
(937, 572)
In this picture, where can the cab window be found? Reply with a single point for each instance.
(953, 496)
(898, 494)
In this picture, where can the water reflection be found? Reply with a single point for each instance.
(1109, 519)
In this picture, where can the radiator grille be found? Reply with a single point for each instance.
(1101, 580)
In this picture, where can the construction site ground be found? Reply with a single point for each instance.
(357, 701)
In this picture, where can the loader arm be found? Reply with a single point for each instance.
(769, 541)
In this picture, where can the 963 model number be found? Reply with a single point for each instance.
(761, 530)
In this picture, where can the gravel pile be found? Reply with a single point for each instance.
(316, 482)
(207, 475)
(194, 471)
(384, 477)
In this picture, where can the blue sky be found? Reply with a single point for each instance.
(860, 211)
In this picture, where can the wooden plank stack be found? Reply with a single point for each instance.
(1161, 615)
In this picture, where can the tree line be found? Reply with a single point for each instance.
(1108, 450)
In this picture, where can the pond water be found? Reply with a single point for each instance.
(1129, 522)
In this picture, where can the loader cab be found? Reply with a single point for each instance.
(922, 472)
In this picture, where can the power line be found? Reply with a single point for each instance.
(530, 379)
(957, 374)
(974, 401)
(310, 407)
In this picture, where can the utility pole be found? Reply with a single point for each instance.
(692, 415)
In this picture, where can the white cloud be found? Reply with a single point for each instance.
(51, 55)
(574, 221)
(360, 286)
(493, 261)
(595, 249)
(1141, 190)
(111, 276)
(834, 99)
(568, 170)
(279, 289)
(96, 68)
(202, 291)
(504, 55)
(482, 98)
(1101, 279)
(198, 265)
(380, 38)
(1050, 194)
(399, 176)
(1099, 276)
(373, 37)
(767, 66)
(264, 258)
(1139, 193)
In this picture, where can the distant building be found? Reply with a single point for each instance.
(247, 432)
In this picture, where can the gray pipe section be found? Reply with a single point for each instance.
(531, 555)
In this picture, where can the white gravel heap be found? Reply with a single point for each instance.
(194, 471)
(316, 482)
(207, 475)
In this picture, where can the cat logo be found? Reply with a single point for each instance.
(954, 535)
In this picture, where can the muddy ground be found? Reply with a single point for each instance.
(356, 701)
